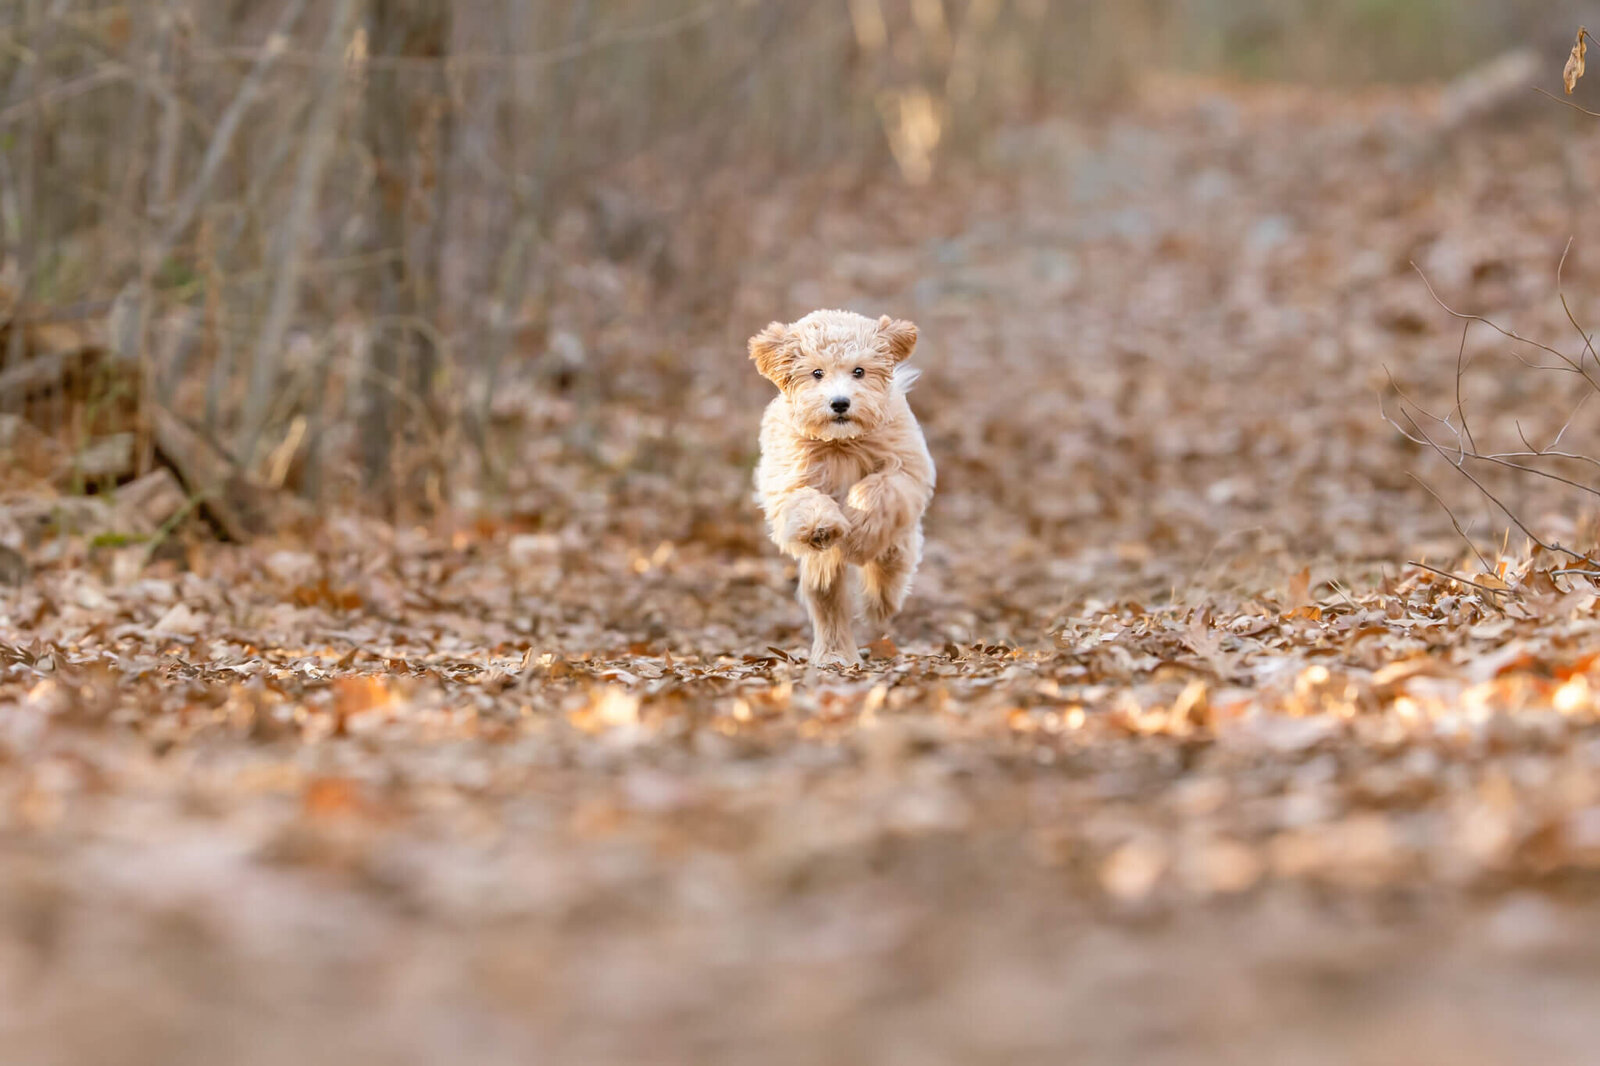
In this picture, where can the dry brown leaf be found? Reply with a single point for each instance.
(355, 695)
(1300, 588)
(332, 797)
(179, 621)
(1192, 705)
(1575, 61)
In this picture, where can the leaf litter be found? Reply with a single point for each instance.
(1168, 691)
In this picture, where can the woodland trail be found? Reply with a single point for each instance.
(1174, 759)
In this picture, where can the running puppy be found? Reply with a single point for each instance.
(844, 475)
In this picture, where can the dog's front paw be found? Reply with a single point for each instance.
(832, 657)
(823, 535)
(817, 528)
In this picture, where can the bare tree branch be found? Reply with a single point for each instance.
(222, 140)
(1588, 341)
(1420, 436)
(1568, 103)
(1509, 334)
(1461, 370)
(463, 61)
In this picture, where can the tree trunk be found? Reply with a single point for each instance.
(406, 129)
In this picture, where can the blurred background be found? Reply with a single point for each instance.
(394, 668)
(411, 256)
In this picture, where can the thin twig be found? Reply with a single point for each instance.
(64, 91)
(1461, 451)
(1453, 522)
(1588, 343)
(1344, 593)
(1462, 580)
(1567, 425)
(159, 537)
(222, 141)
(1549, 452)
(1526, 443)
(1568, 103)
(1549, 449)
(1461, 369)
(1423, 438)
(1466, 447)
(1497, 461)
(1535, 454)
(1568, 369)
(1509, 334)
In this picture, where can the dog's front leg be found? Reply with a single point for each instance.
(825, 591)
(884, 507)
(809, 525)
(807, 521)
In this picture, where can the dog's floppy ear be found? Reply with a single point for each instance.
(898, 337)
(770, 351)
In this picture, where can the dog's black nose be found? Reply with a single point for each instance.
(840, 406)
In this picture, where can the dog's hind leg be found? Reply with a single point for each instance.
(825, 591)
(886, 580)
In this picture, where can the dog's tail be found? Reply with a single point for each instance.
(905, 377)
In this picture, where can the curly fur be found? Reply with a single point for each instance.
(843, 490)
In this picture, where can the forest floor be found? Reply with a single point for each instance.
(1174, 758)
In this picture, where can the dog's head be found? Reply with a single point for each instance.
(836, 367)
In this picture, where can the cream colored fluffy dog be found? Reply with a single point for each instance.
(845, 474)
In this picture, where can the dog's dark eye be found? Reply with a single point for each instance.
(858, 372)
(817, 374)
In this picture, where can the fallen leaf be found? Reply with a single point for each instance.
(882, 648)
(1300, 588)
(354, 695)
(1575, 61)
(332, 797)
(179, 621)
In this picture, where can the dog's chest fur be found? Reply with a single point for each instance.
(834, 466)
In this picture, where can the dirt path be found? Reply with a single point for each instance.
(1178, 762)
